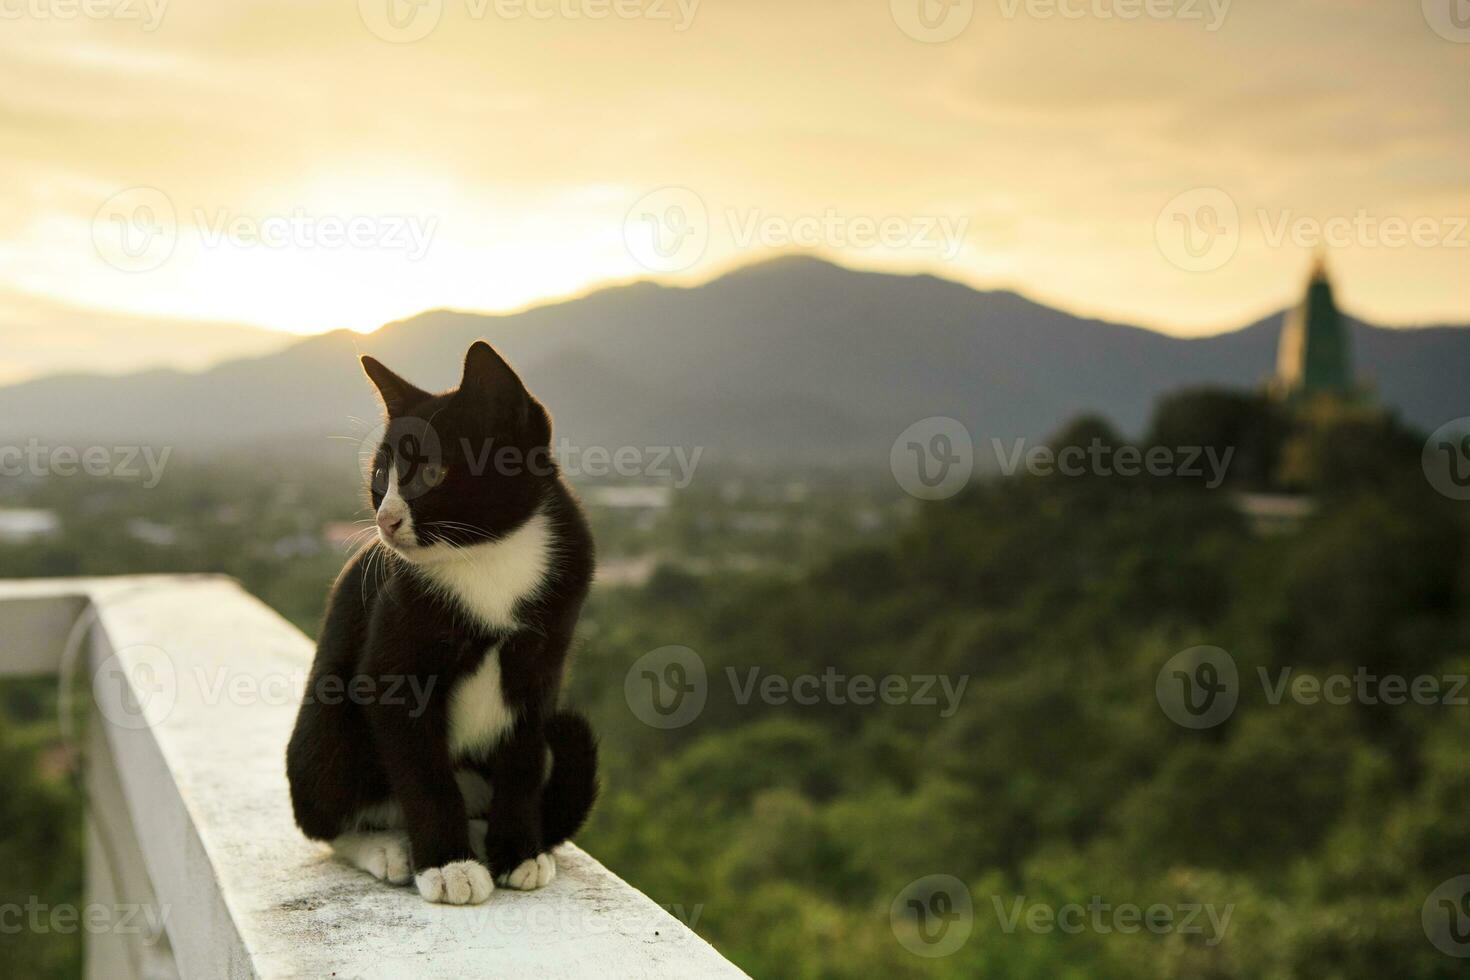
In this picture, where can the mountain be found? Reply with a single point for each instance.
(43, 334)
(787, 360)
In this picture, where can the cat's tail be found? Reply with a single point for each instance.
(571, 789)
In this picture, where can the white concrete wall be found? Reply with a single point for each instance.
(196, 687)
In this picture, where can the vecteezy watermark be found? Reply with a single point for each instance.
(1446, 459)
(137, 230)
(139, 686)
(1210, 13)
(583, 919)
(147, 13)
(836, 688)
(1200, 688)
(423, 461)
(1446, 917)
(1201, 229)
(406, 233)
(93, 918)
(932, 21)
(1363, 687)
(943, 235)
(669, 688)
(673, 463)
(223, 686)
(1102, 918)
(136, 687)
(669, 229)
(1364, 229)
(1450, 19)
(932, 916)
(406, 21)
(123, 462)
(1099, 459)
(933, 459)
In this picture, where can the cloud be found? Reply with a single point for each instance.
(527, 140)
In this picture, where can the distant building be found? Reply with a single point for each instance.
(1322, 408)
(1315, 356)
(153, 533)
(626, 571)
(1274, 513)
(19, 526)
(342, 535)
(630, 497)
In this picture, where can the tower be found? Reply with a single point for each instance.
(1314, 357)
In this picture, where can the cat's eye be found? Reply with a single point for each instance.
(434, 475)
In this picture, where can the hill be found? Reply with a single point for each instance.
(795, 359)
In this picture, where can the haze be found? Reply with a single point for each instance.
(320, 166)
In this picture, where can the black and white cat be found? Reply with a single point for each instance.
(430, 743)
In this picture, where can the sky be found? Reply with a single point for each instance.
(184, 180)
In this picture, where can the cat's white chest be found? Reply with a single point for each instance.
(478, 714)
(489, 580)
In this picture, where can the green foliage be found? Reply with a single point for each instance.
(1320, 828)
(1249, 425)
(41, 848)
(784, 831)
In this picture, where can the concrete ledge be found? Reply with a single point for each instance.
(196, 685)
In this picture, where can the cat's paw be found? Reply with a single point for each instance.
(391, 862)
(532, 873)
(383, 855)
(459, 883)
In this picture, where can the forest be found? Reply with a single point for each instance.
(935, 743)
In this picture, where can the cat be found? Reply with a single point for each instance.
(430, 745)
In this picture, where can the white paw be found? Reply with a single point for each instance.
(382, 855)
(459, 883)
(391, 863)
(536, 872)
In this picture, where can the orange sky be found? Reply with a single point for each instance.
(169, 164)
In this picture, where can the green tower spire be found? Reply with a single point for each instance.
(1314, 356)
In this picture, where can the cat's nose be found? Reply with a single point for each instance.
(389, 524)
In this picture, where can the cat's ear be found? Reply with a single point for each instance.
(398, 395)
(489, 381)
(492, 386)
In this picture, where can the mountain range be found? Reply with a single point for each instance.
(788, 360)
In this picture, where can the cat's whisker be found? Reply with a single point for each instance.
(362, 581)
(357, 538)
(469, 529)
